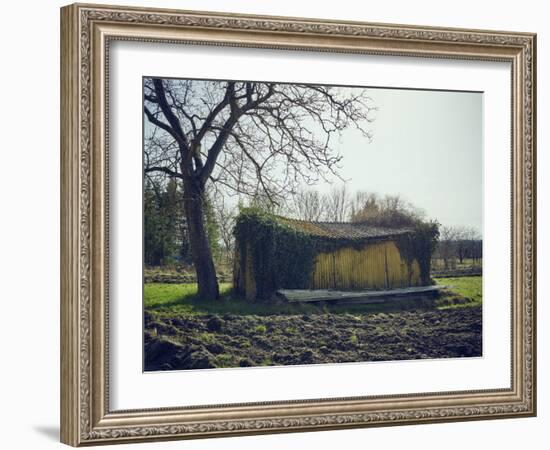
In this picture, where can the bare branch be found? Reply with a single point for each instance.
(164, 170)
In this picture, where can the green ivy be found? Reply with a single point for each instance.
(420, 245)
(282, 256)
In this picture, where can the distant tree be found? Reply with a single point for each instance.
(225, 216)
(337, 204)
(446, 246)
(476, 249)
(154, 250)
(466, 245)
(388, 211)
(309, 205)
(163, 227)
(260, 201)
(461, 243)
(364, 204)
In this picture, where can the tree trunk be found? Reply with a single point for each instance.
(201, 253)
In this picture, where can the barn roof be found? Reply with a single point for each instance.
(342, 230)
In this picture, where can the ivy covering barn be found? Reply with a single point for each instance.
(275, 252)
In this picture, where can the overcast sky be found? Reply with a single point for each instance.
(428, 147)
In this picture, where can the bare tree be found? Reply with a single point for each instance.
(461, 243)
(309, 205)
(249, 137)
(337, 204)
(390, 210)
(364, 204)
(475, 245)
(446, 246)
(225, 215)
(465, 247)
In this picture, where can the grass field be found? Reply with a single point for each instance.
(461, 288)
(180, 299)
(177, 299)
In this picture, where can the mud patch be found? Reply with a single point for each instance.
(210, 341)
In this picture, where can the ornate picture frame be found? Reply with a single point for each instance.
(86, 34)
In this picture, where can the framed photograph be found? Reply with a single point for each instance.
(279, 224)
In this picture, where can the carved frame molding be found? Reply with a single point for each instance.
(86, 31)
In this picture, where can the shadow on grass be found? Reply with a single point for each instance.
(228, 303)
(181, 299)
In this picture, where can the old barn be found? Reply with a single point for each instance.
(274, 252)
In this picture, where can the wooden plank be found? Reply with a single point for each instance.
(320, 295)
